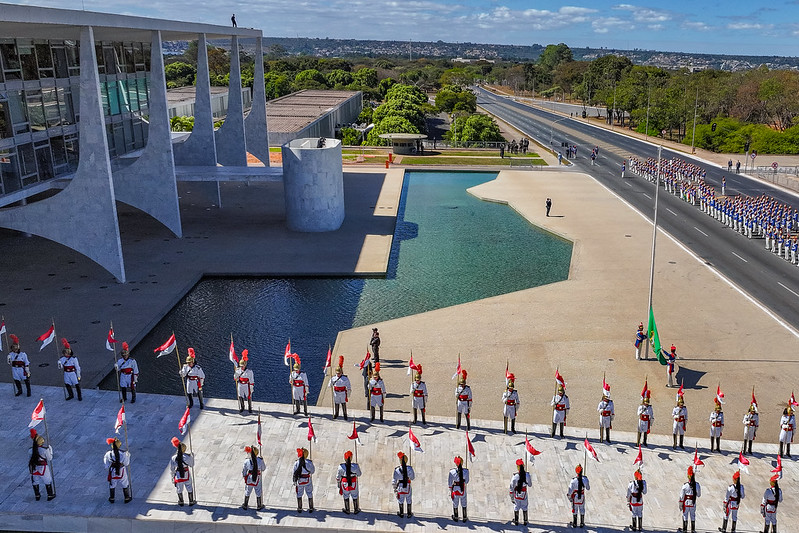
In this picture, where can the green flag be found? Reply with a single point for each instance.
(654, 338)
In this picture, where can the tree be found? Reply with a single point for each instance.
(218, 61)
(458, 76)
(366, 77)
(180, 73)
(309, 79)
(276, 85)
(553, 55)
(476, 128)
(338, 78)
(390, 124)
(384, 85)
(449, 99)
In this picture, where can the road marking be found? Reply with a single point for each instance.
(739, 257)
(702, 232)
(787, 289)
(627, 183)
(647, 196)
(672, 212)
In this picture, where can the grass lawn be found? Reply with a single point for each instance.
(446, 160)
(476, 153)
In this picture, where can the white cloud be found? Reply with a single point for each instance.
(605, 24)
(696, 26)
(656, 27)
(748, 26)
(645, 14)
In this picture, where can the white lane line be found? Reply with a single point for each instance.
(672, 212)
(787, 289)
(627, 183)
(702, 232)
(739, 257)
(647, 196)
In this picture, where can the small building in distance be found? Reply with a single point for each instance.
(310, 113)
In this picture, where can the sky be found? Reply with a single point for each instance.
(699, 26)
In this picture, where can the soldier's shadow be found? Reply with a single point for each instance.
(689, 378)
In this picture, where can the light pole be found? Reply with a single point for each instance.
(551, 126)
(693, 135)
(648, 98)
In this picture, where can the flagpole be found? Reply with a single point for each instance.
(180, 367)
(47, 436)
(127, 447)
(332, 389)
(585, 457)
(456, 401)
(652, 265)
(235, 383)
(191, 451)
(526, 453)
(54, 342)
(116, 370)
(5, 333)
(310, 441)
(410, 446)
(355, 445)
(557, 372)
(467, 449)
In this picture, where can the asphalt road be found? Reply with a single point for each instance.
(770, 280)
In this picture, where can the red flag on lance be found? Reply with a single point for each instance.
(110, 340)
(605, 388)
(645, 389)
(166, 348)
(530, 450)
(793, 401)
(719, 394)
(365, 360)
(680, 392)
(639, 459)
(185, 420)
(287, 354)
(590, 449)
(417, 446)
(354, 434)
(258, 432)
(311, 434)
(327, 361)
(231, 354)
(508, 374)
(412, 365)
(120, 419)
(743, 462)
(458, 370)
(38, 414)
(754, 400)
(469, 447)
(47, 337)
(559, 379)
(697, 461)
(778, 470)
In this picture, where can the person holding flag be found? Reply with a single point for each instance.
(458, 481)
(245, 379)
(40, 468)
(635, 500)
(607, 413)
(252, 473)
(20, 367)
(116, 463)
(751, 422)
(670, 358)
(195, 379)
(680, 416)
(518, 492)
(366, 372)
(299, 386)
(418, 395)
(403, 475)
(691, 490)
(347, 481)
(787, 427)
(732, 499)
(463, 400)
(640, 337)
(716, 426)
(576, 495)
(342, 389)
(128, 370)
(301, 477)
(68, 363)
(180, 466)
(377, 393)
(560, 407)
(645, 417)
(771, 500)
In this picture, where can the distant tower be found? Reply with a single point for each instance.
(409, 51)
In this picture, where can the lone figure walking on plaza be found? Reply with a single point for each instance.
(458, 480)
(374, 342)
(635, 500)
(39, 467)
(341, 389)
(303, 482)
(233, 20)
(688, 494)
(518, 492)
(576, 495)
(116, 463)
(252, 472)
(401, 482)
(732, 500)
(129, 374)
(768, 507)
(71, 368)
(20, 367)
(347, 480)
(195, 379)
(549, 205)
(180, 465)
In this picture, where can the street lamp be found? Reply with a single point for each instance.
(551, 126)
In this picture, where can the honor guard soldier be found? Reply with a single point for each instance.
(751, 423)
(40, 468)
(419, 395)
(560, 408)
(180, 465)
(576, 495)
(768, 507)
(341, 389)
(347, 480)
(716, 426)
(787, 427)
(671, 357)
(403, 475)
(116, 462)
(518, 492)
(510, 406)
(458, 481)
(606, 415)
(252, 473)
(732, 499)
(69, 364)
(299, 387)
(688, 494)
(640, 337)
(20, 366)
(463, 397)
(680, 416)
(128, 374)
(645, 418)
(195, 379)
(377, 393)
(303, 482)
(635, 500)
(245, 380)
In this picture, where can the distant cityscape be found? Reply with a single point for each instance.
(474, 51)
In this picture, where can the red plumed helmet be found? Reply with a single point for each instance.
(377, 367)
(175, 442)
(247, 449)
(191, 352)
(14, 339)
(458, 460)
(125, 346)
(244, 353)
(464, 374)
(33, 433)
(341, 361)
(65, 343)
(110, 440)
(419, 369)
(519, 462)
(347, 455)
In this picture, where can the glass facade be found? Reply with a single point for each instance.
(39, 110)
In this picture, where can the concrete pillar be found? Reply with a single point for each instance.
(149, 183)
(200, 149)
(83, 216)
(231, 146)
(255, 127)
(313, 184)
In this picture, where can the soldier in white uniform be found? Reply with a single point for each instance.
(768, 507)
(640, 337)
(347, 480)
(518, 492)
(458, 481)
(560, 408)
(732, 500)
(195, 379)
(751, 422)
(299, 388)
(128, 374)
(40, 468)
(252, 472)
(635, 500)
(787, 427)
(341, 389)
(377, 393)
(680, 416)
(607, 413)
(401, 483)
(301, 477)
(688, 494)
(246, 381)
(419, 395)
(71, 368)
(510, 407)
(576, 495)
(116, 463)
(463, 398)
(645, 418)
(716, 426)
(20, 366)
(180, 466)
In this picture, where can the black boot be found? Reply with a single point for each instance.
(249, 405)
(112, 496)
(132, 394)
(260, 502)
(70, 395)
(607, 435)
(455, 514)
(562, 425)
(723, 527)
(246, 504)
(36, 492)
(344, 406)
(180, 500)
(712, 443)
(80, 396)
(640, 523)
(424, 422)
(335, 411)
(469, 423)
(458, 421)
(124, 392)
(296, 407)
(733, 526)
(200, 399)
(356, 508)
(787, 453)
(128, 495)
(241, 404)
(638, 438)
(18, 385)
(515, 518)
(552, 434)
(681, 439)
(371, 414)
(674, 442)
(574, 520)
(408, 509)
(684, 527)
(693, 526)
(310, 505)
(513, 426)
(414, 415)
(381, 414)
(305, 407)
(765, 528)
(743, 450)
(645, 444)
(782, 449)
(505, 425)
(192, 501)
(299, 505)
(601, 435)
(400, 513)
(582, 520)
(465, 518)
(773, 528)
(190, 400)
(346, 506)
(28, 387)
(750, 447)
(524, 514)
